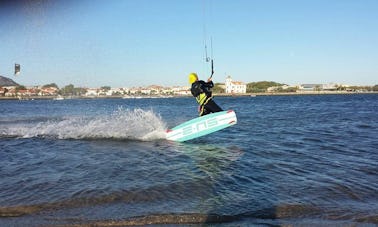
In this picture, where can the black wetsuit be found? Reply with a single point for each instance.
(201, 90)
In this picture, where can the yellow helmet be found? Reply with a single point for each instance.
(193, 78)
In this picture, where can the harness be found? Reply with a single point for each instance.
(201, 96)
(202, 101)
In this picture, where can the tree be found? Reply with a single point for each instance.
(68, 90)
(20, 87)
(79, 91)
(50, 85)
(5, 90)
(72, 90)
(291, 89)
(261, 86)
(105, 88)
(218, 88)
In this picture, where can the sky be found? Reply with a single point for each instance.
(127, 43)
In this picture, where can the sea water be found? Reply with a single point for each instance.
(290, 160)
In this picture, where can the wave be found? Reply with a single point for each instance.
(122, 124)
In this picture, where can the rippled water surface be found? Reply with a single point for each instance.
(305, 160)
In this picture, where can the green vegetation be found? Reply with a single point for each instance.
(288, 89)
(20, 87)
(261, 86)
(361, 88)
(105, 88)
(50, 85)
(71, 90)
(219, 88)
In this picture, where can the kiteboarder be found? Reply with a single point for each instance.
(201, 90)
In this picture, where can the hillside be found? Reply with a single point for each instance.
(4, 81)
(261, 86)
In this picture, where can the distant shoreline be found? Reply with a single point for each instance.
(178, 96)
(299, 93)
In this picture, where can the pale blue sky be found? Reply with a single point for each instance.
(124, 43)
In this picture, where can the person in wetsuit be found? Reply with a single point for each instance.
(201, 90)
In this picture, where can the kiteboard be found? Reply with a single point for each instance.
(201, 126)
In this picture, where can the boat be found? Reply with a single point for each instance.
(59, 97)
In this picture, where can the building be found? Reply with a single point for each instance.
(235, 86)
(91, 92)
(331, 87)
(47, 91)
(310, 87)
(321, 87)
(185, 90)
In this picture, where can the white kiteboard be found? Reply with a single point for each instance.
(201, 126)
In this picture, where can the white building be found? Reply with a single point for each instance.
(235, 86)
(185, 90)
(92, 92)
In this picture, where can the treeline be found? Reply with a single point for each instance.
(72, 90)
(66, 90)
(364, 88)
(262, 86)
